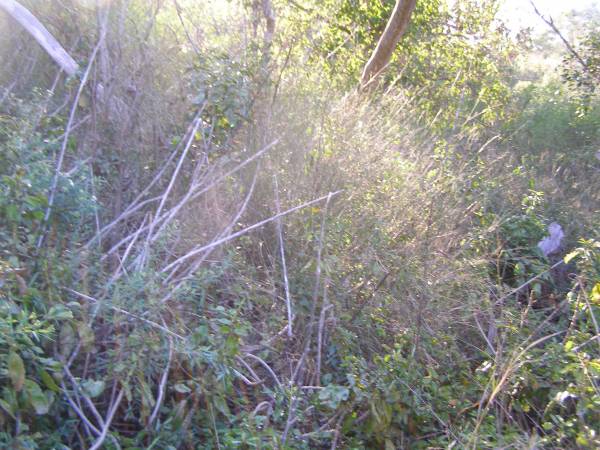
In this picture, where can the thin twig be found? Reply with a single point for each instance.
(186, 149)
(527, 283)
(166, 215)
(286, 284)
(194, 267)
(162, 386)
(77, 390)
(569, 47)
(68, 128)
(296, 373)
(438, 418)
(127, 313)
(485, 336)
(316, 290)
(324, 310)
(150, 237)
(89, 425)
(108, 421)
(245, 379)
(262, 405)
(121, 267)
(135, 205)
(590, 309)
(249, 368)
(266, 366)
(291, 419)
(512, 366)
(248, 229)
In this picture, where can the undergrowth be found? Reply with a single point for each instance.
(238, 255)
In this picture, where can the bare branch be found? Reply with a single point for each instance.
(68, 129)
(266, 366)
(569, 47)
(162, 385)
(89, 425)
(108, 421)
(326, 307)
(286, 284)
(165, 196)
(127, 313)
(167, 215)
(35, 28)
(250, 228)
(194, 267)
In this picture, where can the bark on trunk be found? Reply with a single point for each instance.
(35, 28)
(394, 30)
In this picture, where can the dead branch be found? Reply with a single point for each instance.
(196, 194)
(108, 420)
(326, 307)
(162, 386)
(194, 266)
(266, 366)
(127, 313)
(286, 284)
(550, 22)
(39, 32)
(68, 129)
(250, 228)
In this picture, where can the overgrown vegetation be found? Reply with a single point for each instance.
(210, 238)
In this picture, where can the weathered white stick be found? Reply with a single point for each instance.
(286, 284)
(108, 421)
(39, 32)
(247, 229)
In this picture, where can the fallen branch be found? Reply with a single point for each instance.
(39, 32)
(250, 228)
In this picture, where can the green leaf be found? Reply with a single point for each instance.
(16, 370)
(7, 407)
(86, 334)
(333, 395)
(581, 440)
(12, 213)
(66, 339)
(571, 255)
(182, 388)
(221, 405)
(595, 295)
(93, 388)
(37, 397)
(59, 312)
(48, 380)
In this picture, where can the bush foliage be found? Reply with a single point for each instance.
(216, 241)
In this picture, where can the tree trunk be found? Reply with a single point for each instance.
(394, 30)
(35, 28)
